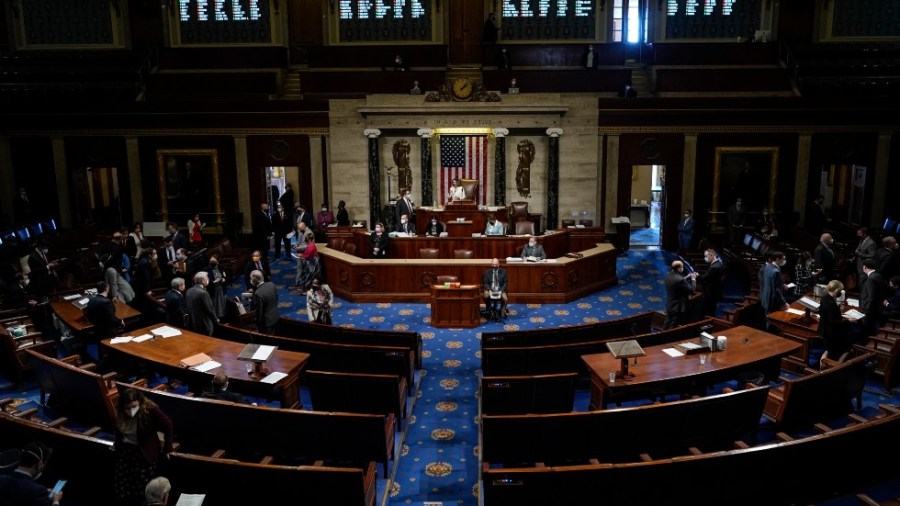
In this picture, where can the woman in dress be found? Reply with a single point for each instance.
(134, 240)
(216, 286)
(457, 192)
(343, 217)
(379, 241)
(194, 226)
(309, 260)
(143, 436)
(318, 302)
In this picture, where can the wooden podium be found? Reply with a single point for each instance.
(455, 307)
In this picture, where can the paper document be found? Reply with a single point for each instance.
(166, 331)
(690, 346)
(263, 352)
(190, 500)
(853, 302)
(854, 314)
(120, 340)
(72, 297)
(672, 352)
(790, 286)
(796, 311)
(808, 302)
(206, 366)
(141, 339)
(274, 377)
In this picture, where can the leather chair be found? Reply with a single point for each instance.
(471, 188)
(525, 227)
(463, 254)
(429, 253)
(350, 248)
(336, 243)
(587, 223)
(519, 211)
(446, 278)
(567, 223)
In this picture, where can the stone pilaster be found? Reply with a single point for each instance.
(500, 166)
(553, 179)
(427, 191)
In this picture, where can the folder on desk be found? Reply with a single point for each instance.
(81, 303)
(195, 360)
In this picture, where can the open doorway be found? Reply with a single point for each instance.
(647, 204)
(276, 181)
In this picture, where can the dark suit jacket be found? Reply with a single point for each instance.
(438, 229)
(141, 281)
(224, 395)
(101, 312)
(678, 290)
(307, 218)
(176, 308)
(265, 303)
(282, 226)
(262, 226)
(735, 216)
(20, 489)
(712, 281)
(179, 240)
(15, 297)
(686, 227)
(250, 267)
(408, 228)
(871, 296)
(833, 328)
(41, 282)
(488, 279)
(404, 208)
(885, 262)
(824, 258)
(343, 217)
(199, 304)
(771, 294)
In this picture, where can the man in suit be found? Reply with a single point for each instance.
(167, 257)
(495, 280)
(178, 239)
(736, 220)
(824, 259)
(287, 201)
(176, 306)
(533, 250)
(255, 264)
(20, 487)
(264, 303)
(871, 297)
(101, 312)
(43, 271)
(404, 226)
(711, 280)
(281, 227)
(771, 294)
(865, 250)
(262, 230)
(406, 206)
(686, 231)
(886, 257)
(679, 287)
(199, 304)
(17, 294)
(220, 390)
(142, 280)
(303, 217)
(815, 215)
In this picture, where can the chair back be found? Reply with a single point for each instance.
(568, 223)
(519, 210)
(587, 223)
(429, 253)
(470, 186)
(463, 254)
(446, 278)
(525, 227)
(350, 248)
(336, 243)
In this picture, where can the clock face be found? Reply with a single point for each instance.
(462, 88)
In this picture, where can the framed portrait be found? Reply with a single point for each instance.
(188, 183)
(750, 173)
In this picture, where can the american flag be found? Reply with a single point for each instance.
(465, 157)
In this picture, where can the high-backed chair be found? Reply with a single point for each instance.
(336, 243)
(567, 223)
(471, 188)
(525, 227)
(350, 248)
(446, 278)
(587, 223)
(429, 253)
(519, 211)
(463, 253)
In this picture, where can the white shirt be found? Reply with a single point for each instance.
(456, 193)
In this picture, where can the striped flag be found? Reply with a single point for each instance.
(464, 157)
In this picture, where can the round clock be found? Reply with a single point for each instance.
(462, 88)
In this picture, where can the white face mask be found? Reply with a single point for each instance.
(324, 209)
(782, 263)
(378, 229)
(133, 411)
(403, 221)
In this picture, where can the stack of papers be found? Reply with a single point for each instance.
(796, 311)
(165, 331)
(853, 302)
(274, 377)
(190, 500)
(120, 340)
(206, 366)
(853, 314)
(142, 338)
(71, 297)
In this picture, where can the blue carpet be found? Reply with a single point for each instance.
(645, 236)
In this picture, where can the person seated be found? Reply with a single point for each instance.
(20, 486)
(405, 227)
(494, 227)
(435, 228)
(493, 285)
(379, 241)
(457, 192)
(220, 390)
(533, 251)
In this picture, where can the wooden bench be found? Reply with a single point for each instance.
(13, 360)
(331, 333)
(510, 395)
(802, 401)
(206, 425)
(623, 327)
(621, 434)
(338, 357)
(887, 364)
(226, 481)
(76, 387)
(357, 393)
(843, 460)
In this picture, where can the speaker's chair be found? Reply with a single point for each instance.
(525, 227)
(470, 186)
(519, 211)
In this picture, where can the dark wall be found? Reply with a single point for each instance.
(96, 152)
(892, 205)
(284, 150)
(32, 160)
(847, 149)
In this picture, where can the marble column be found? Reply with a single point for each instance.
(801, 180)
(553, 179)
(689, 173)
(241, 161)
(7, 182)
(135, 184)
(374, 176)
(62, 181)
(427, 191)
(500, 166)
(882, 157)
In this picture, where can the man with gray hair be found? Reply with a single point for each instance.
(157, 491)
(202, 315)
(176, 307)
(264, 303)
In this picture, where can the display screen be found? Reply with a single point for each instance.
(224, 21)
(547, 19)
(712, 19)
(384, 20)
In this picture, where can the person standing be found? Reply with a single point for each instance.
(456, 191)
(176, 307)
(323, 219)
(771, 294)
(308, 266)
(685, 231)
(143, 437)
(318, 302)
(20, 487)
(871, 297)
(199, 303)
(287, 201)
(42, 271)
(803, 274)
(101, 313)
(379, 241)
(304, 217)
(217, 282)
(736, 216)
(343, 217)
(711, 280)
(195, 227)
(834, 328)
(264, 303)
(679, 287)
(262, 230)
(823, 256)
(865, 250)
(886, 257)
(281, 227)
(533, 251)
(491, 30)
(405, 206)
(495, 280)
(255, 264)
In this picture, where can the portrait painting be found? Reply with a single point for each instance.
(750, 173)
(188, 183)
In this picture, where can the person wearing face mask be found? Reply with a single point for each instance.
(143, 438)
(405, 206)
(736, 220)
(202, 314)
(324, 218)
(711, 281)
(216, 286)
(824, 259)
(176, 307)
(494, 226)
(21, 486)
(679, 287)
(871, 297)
(178, 239)
(42, 271)
(435, 228)
(533, 251)
(771, 294)
(379, 241)
(255, 264)
(343, 217)
(834, 329)
(495, 281)
(264, 302)
(282, 225)
(262, 230)
(18, 294)
(318, 302)
(686, 231)
(803, 274)
(404, 226)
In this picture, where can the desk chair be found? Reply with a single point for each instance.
(429, 253)
(463, 254)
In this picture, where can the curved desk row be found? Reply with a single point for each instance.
(396, 280)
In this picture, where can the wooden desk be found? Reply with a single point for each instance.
(658, 373)
(455, 307)
(474, 219)
(799, 328)
(164, 355)
(77, 321)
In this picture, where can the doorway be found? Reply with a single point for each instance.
(647, 205)
(98, 200)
